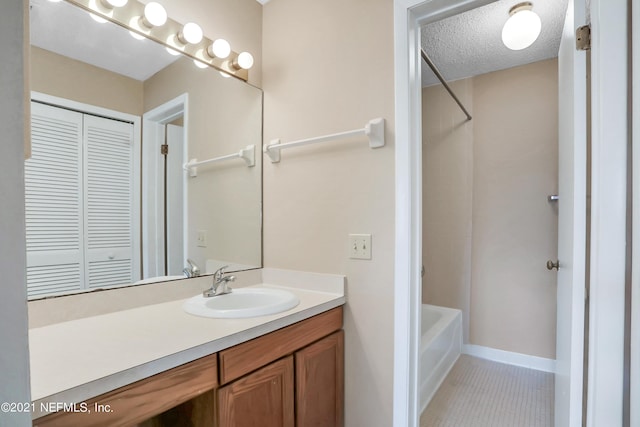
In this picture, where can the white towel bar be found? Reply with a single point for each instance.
(247, 154)
(374, 130)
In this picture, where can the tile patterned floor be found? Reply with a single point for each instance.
(482, 393)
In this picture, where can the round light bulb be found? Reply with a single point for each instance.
(225, 75)
(115, 3)
(200, 64)
(136, 35)
(172, 51)
(219, 49)
(245, 60)
(155, 14)
(522, 28)
(97, 18)
(191, 33)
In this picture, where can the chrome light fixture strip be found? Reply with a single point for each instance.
(167, 34)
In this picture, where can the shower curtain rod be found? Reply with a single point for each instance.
(444, 83)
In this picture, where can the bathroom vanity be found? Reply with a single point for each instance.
(165, 367)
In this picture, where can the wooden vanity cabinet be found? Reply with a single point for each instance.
(290, 377)
(295, 374)
(263, 398)
(137, 402)
(320, 382)
(266, 397)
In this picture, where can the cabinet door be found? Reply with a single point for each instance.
(320, 383)
(263, 398)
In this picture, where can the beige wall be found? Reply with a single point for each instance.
(513, 296)
(64, 77)
(225, 199)
(447, 173)
(328, 67)
(513, 143)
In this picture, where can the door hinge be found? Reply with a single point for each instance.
(583, 38)
(164, 149)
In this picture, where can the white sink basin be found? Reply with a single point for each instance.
(242, 303)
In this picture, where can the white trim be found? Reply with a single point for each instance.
(635, 269)
(407, 217)
(83, 108)
(137, 122)
(152, 201)
(510, 358)
(14, 357)
(408, 14)
(609, 44)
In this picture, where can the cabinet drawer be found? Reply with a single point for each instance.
(251, 355)
(136, 402)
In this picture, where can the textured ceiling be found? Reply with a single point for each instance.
(69, 31)
(470, 44)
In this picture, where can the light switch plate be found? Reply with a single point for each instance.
(201, 238)
(360, 246)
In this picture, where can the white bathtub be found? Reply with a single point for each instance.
(440, 347)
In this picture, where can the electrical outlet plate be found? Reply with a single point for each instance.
(360, 246)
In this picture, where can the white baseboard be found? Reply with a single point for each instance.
(510, 358)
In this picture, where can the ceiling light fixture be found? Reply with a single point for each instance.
(522, 28)
(154, 15)
(190, 33)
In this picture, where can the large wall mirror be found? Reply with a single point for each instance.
(112, 198)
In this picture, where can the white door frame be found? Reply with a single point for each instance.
(608, 198)
(635, 271)
(408, 16)
(609, 92)
(153, 239)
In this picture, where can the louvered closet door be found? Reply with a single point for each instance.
(108, 201)
(53, 202)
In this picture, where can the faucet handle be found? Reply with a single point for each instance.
(219, 272)
(193, 268)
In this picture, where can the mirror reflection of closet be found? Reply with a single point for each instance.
(144, 215)
(81, 210)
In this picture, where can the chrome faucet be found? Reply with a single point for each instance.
(193, 270)
(220, 284)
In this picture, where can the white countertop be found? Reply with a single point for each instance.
(75, 360)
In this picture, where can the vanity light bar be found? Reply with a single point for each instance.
(129, 17)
